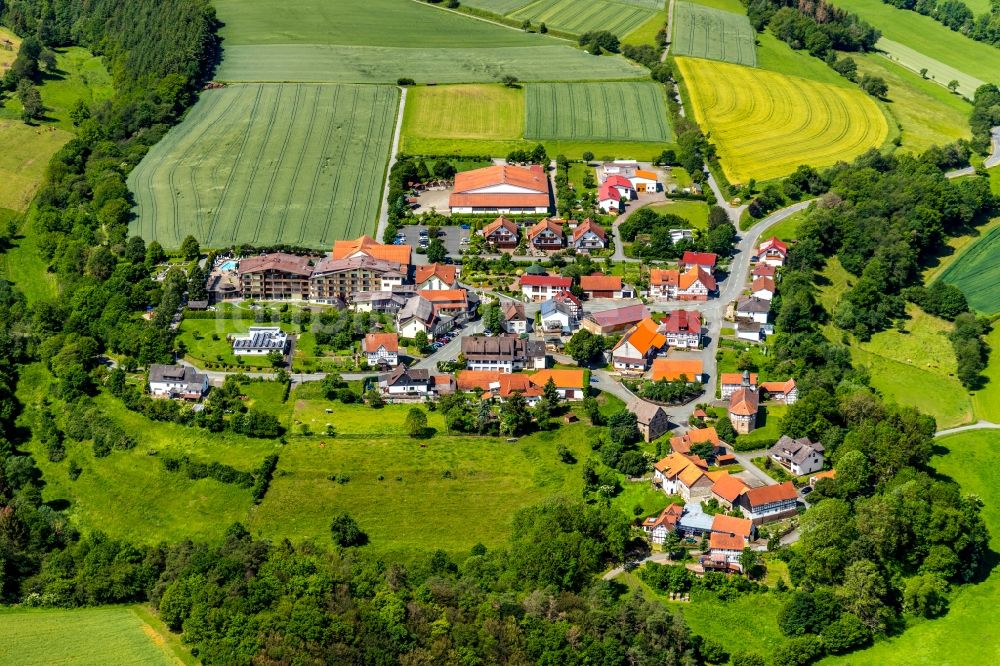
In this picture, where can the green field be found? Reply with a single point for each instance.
(580, 16)
(463, 112)
(927, 113)
(646, 33)
(267, 164)
(788, 229)
(26, 152)
(597, 111)
(976, 272)
(704, 32)
(747, 623)
(8, 56)
(107, 636)
(986, 401)
(967, 634)
(938, 72)
(926, 40)
(498, 7)
(695, 212)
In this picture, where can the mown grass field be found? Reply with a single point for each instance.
(464, 112)
(788, 229)
(695, 212)
(26, 152)
(268, 164)
(580, 16)
(8, 55)
(109, 635)
(620, 111)
(986, 401)
(967, 633)
(705, 32)
(498, 7)
(924, 36)
(927, 113)
(646, 33)
(976, 272)
(938, 72)
(766, 124)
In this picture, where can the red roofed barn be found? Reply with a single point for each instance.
(502, 189)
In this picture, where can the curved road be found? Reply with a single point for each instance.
(978, 425)
(992, 160)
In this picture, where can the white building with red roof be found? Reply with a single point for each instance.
(622, 185)
(772, 252)
(703, 260)
(589, 236)
(381, 349)
(682, 328)
(609, 199)
(502, 189)
(543, 287)
(501, 233)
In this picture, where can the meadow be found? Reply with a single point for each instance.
(967, 633)
(464, 112)
(927, 113)
(109, 635)
(580, 16)
(8, 55)
(618, 111)
(766, 124)
(694, 211)
(268, 164)
(986, 401)
(705, 32)
(938, 72)
(976, 271)
(923, 35)
(26, 152)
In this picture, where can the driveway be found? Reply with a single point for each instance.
(450, 351)
(744, 458)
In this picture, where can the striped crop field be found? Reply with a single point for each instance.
(766, 124)
(580, 16)
(977, 273)
(937, 71)
(263, 164)
(620, 111)
(704, 32)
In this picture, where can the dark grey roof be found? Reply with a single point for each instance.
(403, 375)
(194, 381)
(795, 450)
(753, 304)
(748, 325)
(417, 307)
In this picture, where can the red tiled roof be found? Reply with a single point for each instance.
(546, 224)
(499, 200)
(445, 273)
(399, 254)
(762, 283)
(643, 336)
(764, 270)
(618, 181)
(682, 321)
(720, 541)
(730, 487)
(501, 221)
(530, 178)
(743, 402)
(606, 191)
(589, 225)
(546, 281)
(599, 282)
(568, 296)
(778, 387)
(706, 259)
(375, 340)
(698, 274)
(768, 494)
(737, 378)
(672, 369)
(773, 243)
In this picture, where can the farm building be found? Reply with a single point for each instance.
(637, 347)
(786, 392)
(502, 189)
(624, 168)
(652, 419)
(645, 181)
(602, 286)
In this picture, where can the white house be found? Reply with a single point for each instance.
(589, 236)
(729, 382)
(403, 382)
(798, 456)
(381, 349)
(786, 392)
(514, 319)
(260, 341)
(682, 328)
(501, 189)
(557, 316)
(543, 287)
(435, 277)
(637, 347)
(753, 308)
(768, 503)
(772, 252)
(177, 381)
(645, 181)
(609, 199)
(622, 185)
(762, 288)
(749, 330)
(417, 315)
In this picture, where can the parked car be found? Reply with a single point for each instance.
(423, 233)
(465, 226)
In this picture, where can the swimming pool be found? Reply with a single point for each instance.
(228, 265)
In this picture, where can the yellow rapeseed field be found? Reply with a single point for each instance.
(765, 124)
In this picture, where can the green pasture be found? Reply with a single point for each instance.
(580, 16)
(108, 635)
(324, 63)
(986, 401)
(705, 32)
(597, 111)
(267, 164)
(24, 265)
(8, 55)
(924, 37)
(692, 210)
(976, 272)
(748, 623)
(938, 72)
(776, 56)
(788, 229)
(489, 112)
(574, 150)
(927, 113)
(967, 633)
(498, 7)
(646, 33)
(26, 152)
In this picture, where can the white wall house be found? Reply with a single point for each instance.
(176, 381)
(260, 341)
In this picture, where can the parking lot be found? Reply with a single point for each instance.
(450, 236)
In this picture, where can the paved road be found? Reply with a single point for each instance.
(745, 457)
(383, 216)
(643, 201)
(216, 377)
(992, 160)
(978, 425)
(450, 351)
(670, 32)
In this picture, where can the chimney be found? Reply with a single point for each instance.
(746, 378)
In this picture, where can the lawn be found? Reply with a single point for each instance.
(694, 211)
(705, 32)
(23, 264)
(463, 112)
(967, 634)
(788, 229)
(976, 272)
(927, 113)
(768, 426)
(199, 338)
(620, 111)
(766, 124)
(268, 164)
(986, 401)
(355, 421)
(109, 635)
(8, 55)
(580, 16)
(748, 623)
(928, 41)
(642, 493)
(26, 152)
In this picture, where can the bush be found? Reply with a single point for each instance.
(798, 652)
(345, 531)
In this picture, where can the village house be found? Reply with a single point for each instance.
(645, 181)
(694, 522)
(652, 419)
(404, 383)
(764, 270)
(658, 527)
(499, 385)
(667, 472)
(613, 321)
(599, 285)
(177, 381)
(572, 302)
(589, 236)
(366, 246)
(673, 369)
(435, 277)
(274, 277)
(749, 330)
(609, 199)
(260, 341)
(772, 252)
(682, 443)
(335, 280)
(743, 406)
(763, 288)
(695, 284)
(682, 329)
(768, 503)
(727, 489)
(730, 381)
(753, 308)
(418, 315)
(546, 235)
(622, 185)
(381, 349)
(543, 287)
(798, 456)
(703, 260)
(449, 302)
(387, 302)
(501, 234)
(786, 392)
(637, 348)
(514, 319)
(503, 354)
(556, 316)
(570, 383)
(723, 553)
(502, 189)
